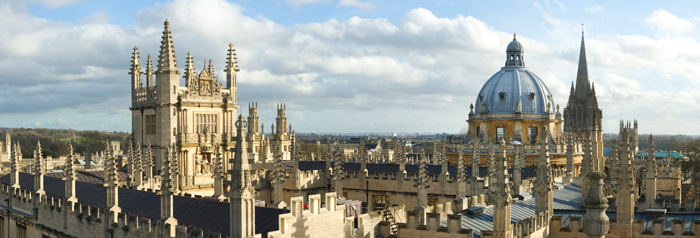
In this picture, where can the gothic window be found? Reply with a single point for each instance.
(205, 123)
(150, 124)
(500, 133)
(532, 134)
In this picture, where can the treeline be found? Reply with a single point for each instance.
(55, 142)
(661, 142)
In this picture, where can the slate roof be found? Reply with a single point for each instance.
(90, 176)
(190, 212)
(688, 218)
(566, 199)
(386, 168)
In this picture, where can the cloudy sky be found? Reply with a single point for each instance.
(351, 66)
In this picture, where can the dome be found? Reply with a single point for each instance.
(514, 88)
(515, 46)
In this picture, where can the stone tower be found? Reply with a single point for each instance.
(582, 117)
(166, 113)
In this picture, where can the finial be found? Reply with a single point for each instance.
(581, 28)
(513, 35)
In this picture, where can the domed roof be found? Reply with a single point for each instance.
(514, 88)
(515, 46)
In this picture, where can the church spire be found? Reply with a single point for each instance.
(582, 83)
(166, 57)
(242, 193)
(190, 72)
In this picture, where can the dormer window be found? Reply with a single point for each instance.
(532, 96)
(502, 96)
(481, 97)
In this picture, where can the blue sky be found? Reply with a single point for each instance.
(351, 65)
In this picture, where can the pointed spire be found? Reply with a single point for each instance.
(149, 72)
(175, 170)
(166, 57)
(190, 72)
(136, 69)
(211, 67)
(231, 67)
(582, 83)
(14, 166)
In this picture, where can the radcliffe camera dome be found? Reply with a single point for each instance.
(514, 88)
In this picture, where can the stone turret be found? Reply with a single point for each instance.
(219, 175)
(175, 170)
(150, 163)
(400, 154)
(596, 223)
(651, 172)
(167, 220)
(492, 166)
(39, 172)
(444, 174)
(476, 158)
(518, 164)
(544, 181)
(253, 119)
(14, 167)
(70, 177)
(231, 71)
(362, 154)
(625, 189)
(501, 197)
(338, 171)
(281, 120)
(138, 167)
(190, 73)
(112, 184)
(278, 180)
(130, 164)
(422, 183)
(461, 177)
(569, 159)
(242, 193)
(135, 71)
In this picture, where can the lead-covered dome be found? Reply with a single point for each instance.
(514, 88)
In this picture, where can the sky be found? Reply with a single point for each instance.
(351, 66)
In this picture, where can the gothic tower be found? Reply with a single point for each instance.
(582, 117)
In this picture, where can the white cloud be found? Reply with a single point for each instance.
(666, 22)
(340, 75)
(366, 5)
(595, 9)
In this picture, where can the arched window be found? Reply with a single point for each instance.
(511, 57)
(532, 134)
(500, 133)
(517, 57)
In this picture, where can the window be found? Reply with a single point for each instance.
(433, 201)
(500, 134)
(478, 131)
(21, 231)
(532, 96)
(532, 133)
(502, 96)
(205, 123)
(150, 124)
(380, 200)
